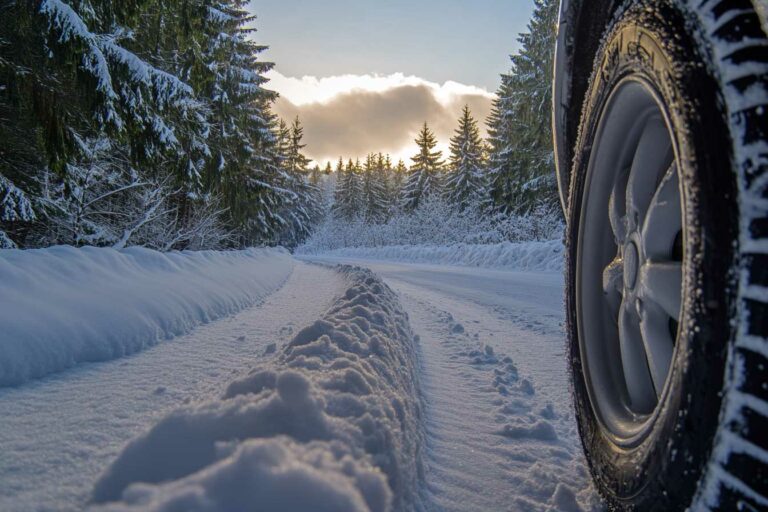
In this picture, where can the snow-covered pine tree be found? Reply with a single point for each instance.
(176, 87)
(374, 189)
(395, 186)
(503, 174)
(244, 165)
(349, 192)
(76, 70)
(315, 175)
(338, 189)
(303, 208)
(521, 162)
(391, 196)
(424, 178)
(465, 182)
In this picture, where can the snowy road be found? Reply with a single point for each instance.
(501, 434)
(499, 424)
(58, 434)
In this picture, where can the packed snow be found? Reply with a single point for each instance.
(539, 256)
(500, 426)
(331, 421)
(63, 306)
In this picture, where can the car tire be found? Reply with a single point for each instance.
(660, 78)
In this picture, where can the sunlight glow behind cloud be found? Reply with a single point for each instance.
(310, 89)
(352, 115)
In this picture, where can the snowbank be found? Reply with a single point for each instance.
(331, 422)
(539, 256)
(62, 306)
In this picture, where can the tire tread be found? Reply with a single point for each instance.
(737, 476)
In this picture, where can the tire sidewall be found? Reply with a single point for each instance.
(662, 471)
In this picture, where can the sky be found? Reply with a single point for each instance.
(364, 75)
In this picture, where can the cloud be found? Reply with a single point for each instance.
(353, 115)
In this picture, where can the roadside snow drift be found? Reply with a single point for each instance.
(331, 422)
(536, 256)
(63, 306)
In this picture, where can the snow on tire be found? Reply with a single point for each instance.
(689, 432)
(330, 422)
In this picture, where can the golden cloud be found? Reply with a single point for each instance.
(359, 121)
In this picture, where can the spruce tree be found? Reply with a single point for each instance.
(521, 162)
(173, 96)
(302, 209)
(424, 178)
(72, 72)
(464, 184)
(244, 165)
(339, 188)
(396, 183)
(374, 189)
(349, 192)
(315, 175)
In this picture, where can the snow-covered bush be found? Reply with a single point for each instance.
(436, 222)
(105, 201)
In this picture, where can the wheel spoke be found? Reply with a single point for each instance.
(613, 279)
(661, 284)
(617, 208)
(659, 346)
(652, 156)
(664, 219)
(633, 362)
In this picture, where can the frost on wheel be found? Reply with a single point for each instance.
(660, 115)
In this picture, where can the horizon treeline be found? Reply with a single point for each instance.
(510, 172)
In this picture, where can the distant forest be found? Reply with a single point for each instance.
(150, 123)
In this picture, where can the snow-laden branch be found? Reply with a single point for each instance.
(101, 54)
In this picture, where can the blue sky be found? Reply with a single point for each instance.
(467, 41)
(364, 75)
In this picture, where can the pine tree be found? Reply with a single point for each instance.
(172, 93)
(244, 165)
(425, 177)
(339, 191)
(374, 189)
(521, 161)
(349, 192)
(315, 176)
(396, 184)
(71, 72)
(303, 208)
(464, 184)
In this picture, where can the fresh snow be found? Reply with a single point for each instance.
(63, 306)
(331, 422)
(541, 256)
(60, 433)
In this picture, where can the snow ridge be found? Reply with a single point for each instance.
(332, 421)
(63, 306)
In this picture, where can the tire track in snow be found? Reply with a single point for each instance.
(495, 440)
